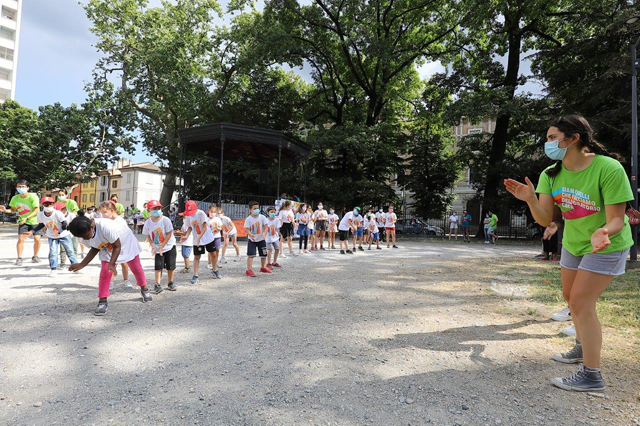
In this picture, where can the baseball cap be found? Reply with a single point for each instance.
(190, 208)
(153, 204)
(47, 200)
(60, 206)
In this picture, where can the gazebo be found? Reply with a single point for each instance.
(223, 140)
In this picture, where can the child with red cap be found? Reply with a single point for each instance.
(159, 232)
(197, 223)
(55, 225)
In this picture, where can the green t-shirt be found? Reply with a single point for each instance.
(494, 222)
(72, 206)
(145, 214)
(120, 208)
(25, 206)
(582, 196)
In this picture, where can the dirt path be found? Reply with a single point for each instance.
(407, 336)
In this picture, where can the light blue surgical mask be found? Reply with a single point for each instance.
(553, 150)
(22, 190)
(255, 211)
(156, 213)
(272, 215)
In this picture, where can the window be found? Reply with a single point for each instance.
(5, 74)
(103, 181)
(103, 196)
(93, 183)
(114, 184)
(7, 33)
(84, 198)
(92, 198)
(128, 196)
(128, 177)
(6, 53)
(8, 14)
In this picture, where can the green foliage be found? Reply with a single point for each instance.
(18, 128)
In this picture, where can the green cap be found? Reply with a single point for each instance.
(358, 208)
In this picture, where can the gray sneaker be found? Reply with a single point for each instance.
(217, 274)
(19, 262)
(574, 356)
(146, 295)
(583, 380)
(35, 259)
(101, 309)
(194, 279)
(172, 286)
(157, 289)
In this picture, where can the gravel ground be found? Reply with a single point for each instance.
(406, 336)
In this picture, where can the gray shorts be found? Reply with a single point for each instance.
(273, 246)
(599, 263)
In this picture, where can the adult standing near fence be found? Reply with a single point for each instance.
(465, 225)
(27, 205)
(493, 227)
(453, 224)
(591, 189)
(390, 220)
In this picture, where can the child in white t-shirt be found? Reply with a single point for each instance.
(115, 243)
(186, 248)
(303, 218)
(197, 224)
(374, 235)
(159, 231)
(332, 224)
(390, 220)
(287, 220)
(216, 229)
(273, 238)
(55, 224)
(230, 233)
(256, 227)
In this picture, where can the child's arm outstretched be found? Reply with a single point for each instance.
(88, 258)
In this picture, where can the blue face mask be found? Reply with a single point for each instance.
(22, 190)
(553, 150)
(355, 213)
(256, 211)
(156, 213)
(272, 215)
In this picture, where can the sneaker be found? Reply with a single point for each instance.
(584, 380)
(369, 248)
(306, 251)
(53, 272)
(360, 248)
(379, 248)
(282, 255)
(157, 289)
(19, 262)
(333, 247)
(388, 246)
(62, 265)
(342, 252)
(213, 275)
(101, 309)
(270, 266)
(146, 296)
(171, 286)
(349, 252)
(487, 242)
(112, 286)
(127, 283)
(570, 331)
(322, 248)
(265, 270)
(194, 279)
(185, 270)
(563, 315)
(209, 266)
(217, 274)
(277, 265)
(223, 260)
(35, 259)
(250, 273)
(237, 259)
(574, 356)
(395, 246)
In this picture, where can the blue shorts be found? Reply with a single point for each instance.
(312, 231)
(303, 231)
(359, 232)
(375, 236)
(186, 251)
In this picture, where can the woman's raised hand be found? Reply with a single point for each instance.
(525, 192)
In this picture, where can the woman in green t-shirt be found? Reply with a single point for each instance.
(591, 190)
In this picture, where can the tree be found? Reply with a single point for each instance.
(18, 153)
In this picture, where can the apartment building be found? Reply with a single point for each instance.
(10, 14)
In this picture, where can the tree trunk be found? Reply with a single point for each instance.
(168, 188)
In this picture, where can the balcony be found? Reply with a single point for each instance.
(8, 23)
(5, 84)
(5, 64)
(12, 4)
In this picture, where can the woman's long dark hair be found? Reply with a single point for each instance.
(572, 124)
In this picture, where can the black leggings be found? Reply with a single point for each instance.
(304, 238)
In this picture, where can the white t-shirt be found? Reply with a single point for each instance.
(303, 218)
(358, 220)
(69, 217)
(158, 232)
(216, 226)
(189, 241)
(321, 214)
(372, 226)
(332, 218)
(390, 220)
(229, 226)
(453, 220)
(257, 226)
(199, 222)
(53, 224)
(107, 232)
(380, 219)
(273, 233)
(286, 216)
(344, 223)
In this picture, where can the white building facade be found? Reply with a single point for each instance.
(10, 15)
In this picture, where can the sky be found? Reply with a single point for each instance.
(57, 55)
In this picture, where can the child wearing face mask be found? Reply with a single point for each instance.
(303, 218)
(273, 238)
(321, 224)
(108, 210)
(68, 217)
(346, 226)
(256, 226)
(159, 232)
(216, 229)
(287, 219)
(197, 223)
(372, 227)
(358, 231)
(55, 225)
(390, 226)
(332, 223)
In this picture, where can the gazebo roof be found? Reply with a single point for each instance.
(250, 143)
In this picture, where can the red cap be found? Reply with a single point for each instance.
(113, 202)
(190, 208)
(152, 204)
(60, 206)
(47, 200)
